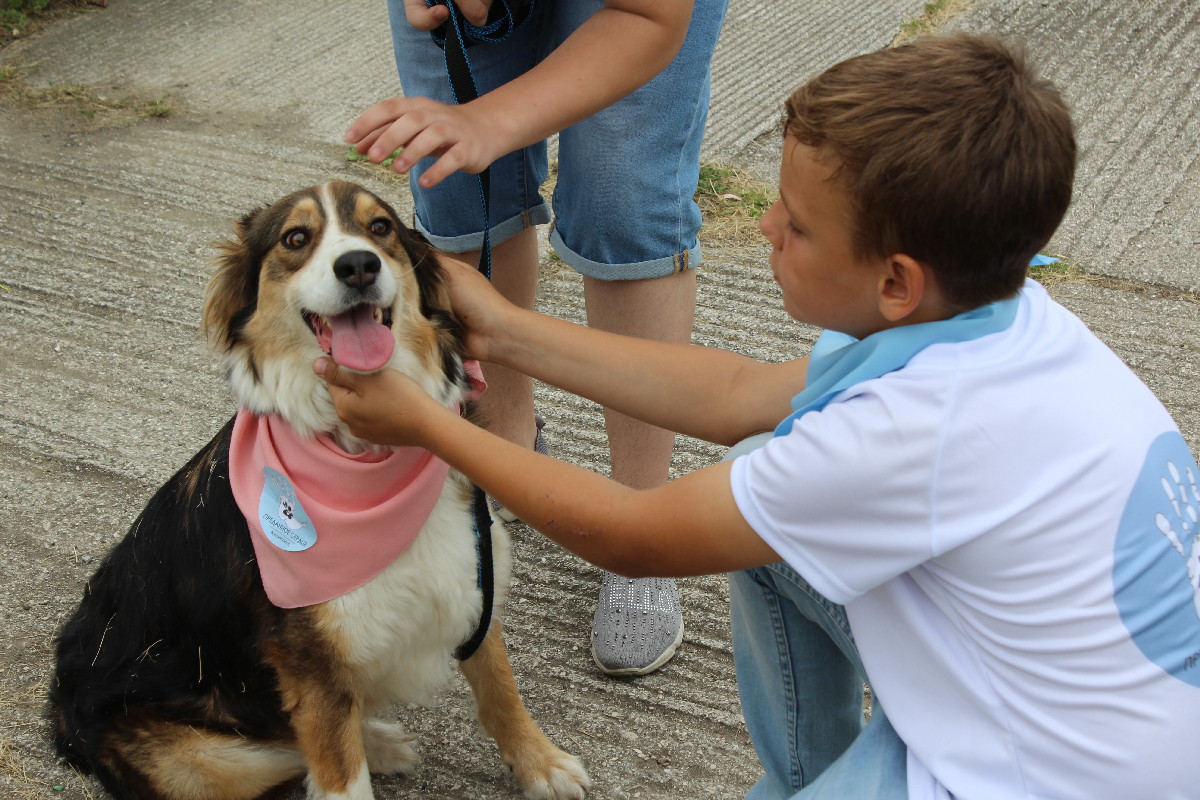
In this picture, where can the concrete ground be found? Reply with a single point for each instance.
(106, 231)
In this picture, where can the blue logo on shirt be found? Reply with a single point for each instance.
(1156, 571)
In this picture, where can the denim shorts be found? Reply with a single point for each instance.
(623, 203)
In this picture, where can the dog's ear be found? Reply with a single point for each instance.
(435, 300)
(430, 280)
(232, 294)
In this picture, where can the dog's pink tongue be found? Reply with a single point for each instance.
(359, 342)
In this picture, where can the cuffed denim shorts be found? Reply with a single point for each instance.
(623, 203)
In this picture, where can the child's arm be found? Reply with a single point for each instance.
(690, 526)
(706, 393)
(619, 48)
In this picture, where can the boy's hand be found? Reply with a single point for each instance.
(385, 407)
(484, 313)
(459, 136)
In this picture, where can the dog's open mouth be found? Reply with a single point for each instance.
(360, 338)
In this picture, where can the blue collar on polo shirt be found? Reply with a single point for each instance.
(839, 361)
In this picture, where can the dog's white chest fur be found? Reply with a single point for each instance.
(401, 627)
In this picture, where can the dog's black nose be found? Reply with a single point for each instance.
(357, 269)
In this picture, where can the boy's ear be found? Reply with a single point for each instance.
(906, 288)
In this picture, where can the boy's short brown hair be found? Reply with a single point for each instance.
(951, 150)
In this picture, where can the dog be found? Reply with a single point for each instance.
(200, 664)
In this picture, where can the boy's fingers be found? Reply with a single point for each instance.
(365, 143)
(374, 118)
(435, 174)
(334, 375)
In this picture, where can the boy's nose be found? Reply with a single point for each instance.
(768, 223)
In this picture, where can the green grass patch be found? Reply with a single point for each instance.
(357, 157)
(14, 16)
(934, 16)
(20, 17)
(1058, 272)
(729, 191)
(732, 203)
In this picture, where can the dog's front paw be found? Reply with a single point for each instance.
(389, 748)
(553, 775)
(330, 787)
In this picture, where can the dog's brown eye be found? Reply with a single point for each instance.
(381, 227)
(295, 238)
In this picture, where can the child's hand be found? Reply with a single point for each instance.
(483, 312)
(385, 407)
(458, 135)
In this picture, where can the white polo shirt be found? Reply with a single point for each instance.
(1012, 525)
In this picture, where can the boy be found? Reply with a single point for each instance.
(972, 504)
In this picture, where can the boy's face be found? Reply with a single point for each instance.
(824, 283)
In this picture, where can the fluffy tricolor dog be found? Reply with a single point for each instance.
(276, 596)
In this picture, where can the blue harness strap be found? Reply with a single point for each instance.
(486, 577)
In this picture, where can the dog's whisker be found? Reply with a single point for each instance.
(293, 304)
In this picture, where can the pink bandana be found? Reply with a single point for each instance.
(324, 522)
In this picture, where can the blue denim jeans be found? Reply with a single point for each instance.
(623, 202)
(800, 680)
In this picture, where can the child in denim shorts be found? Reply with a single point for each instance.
(623, 210)
(962, 497)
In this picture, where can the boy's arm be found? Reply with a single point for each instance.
(690, 526)
(619, 48)
(706, 393)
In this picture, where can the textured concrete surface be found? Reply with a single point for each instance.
(106, 232)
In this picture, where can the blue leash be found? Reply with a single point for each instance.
(454, 36)
(485, 576)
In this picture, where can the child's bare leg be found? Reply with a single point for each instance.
(506, 408)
